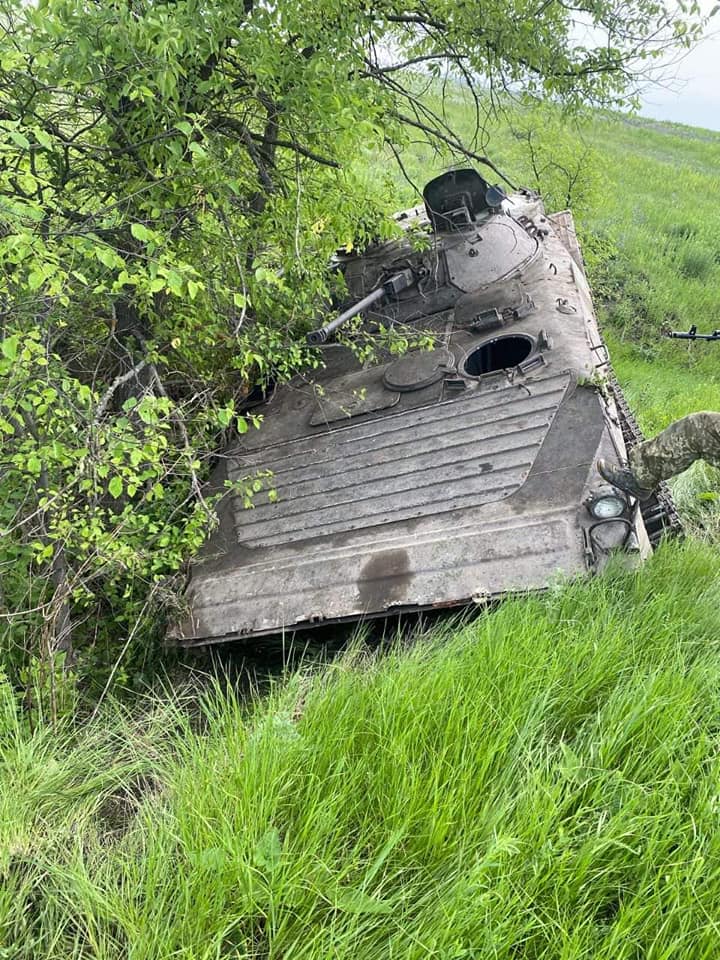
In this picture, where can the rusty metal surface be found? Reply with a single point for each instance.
(398, 489)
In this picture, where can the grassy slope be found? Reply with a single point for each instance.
(540, 784)
(661, 208)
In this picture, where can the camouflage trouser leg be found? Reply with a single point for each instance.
(696, 437)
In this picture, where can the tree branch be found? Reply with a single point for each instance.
(455, 144)
(117, 382)
(297, 148)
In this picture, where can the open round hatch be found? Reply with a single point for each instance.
(500, 353)
(419, 369)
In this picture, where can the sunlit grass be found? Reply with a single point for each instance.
(542, 783)
(661, 390)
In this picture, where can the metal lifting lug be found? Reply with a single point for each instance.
(543, 340)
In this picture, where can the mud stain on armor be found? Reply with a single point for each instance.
(384, 580)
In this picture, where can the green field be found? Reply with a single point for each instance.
(661, 209)
(541, 784)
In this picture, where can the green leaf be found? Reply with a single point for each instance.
(10, 60)
(358, 902)
(147, 413)
(36, 278)
(268, 850)
(108, 257)
(224, 415)
(9, 347)
(175, 282)
(141, 232)
(43, 138)
(213, 859)
(242, 425)
(19, 138)
(115, 487)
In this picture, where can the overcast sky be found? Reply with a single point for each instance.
(693, 93)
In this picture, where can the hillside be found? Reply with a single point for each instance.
(538, 784)
(659, 206)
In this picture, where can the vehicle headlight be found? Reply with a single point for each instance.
(607, 506)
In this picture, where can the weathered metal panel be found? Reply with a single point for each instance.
(438, 568)
(401, 488)
(458, 453)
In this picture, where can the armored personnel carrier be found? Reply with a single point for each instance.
(446, 476)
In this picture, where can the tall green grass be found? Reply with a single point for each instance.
(660, 391)
(542, 783)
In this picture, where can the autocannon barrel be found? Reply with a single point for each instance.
(316, 337)
(396, 284)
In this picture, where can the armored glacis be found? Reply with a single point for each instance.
(448, 475)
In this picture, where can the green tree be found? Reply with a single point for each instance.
(552, 156)
(174, 175)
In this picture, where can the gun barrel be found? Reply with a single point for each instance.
(693, 335)
(316, 337)
(396, 284)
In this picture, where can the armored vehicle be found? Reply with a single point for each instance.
(445, 476)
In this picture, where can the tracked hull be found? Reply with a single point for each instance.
(445, 477)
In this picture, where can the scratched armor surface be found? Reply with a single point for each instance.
(440, 478)
(695, 437)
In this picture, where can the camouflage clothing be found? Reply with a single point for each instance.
(695, 437)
